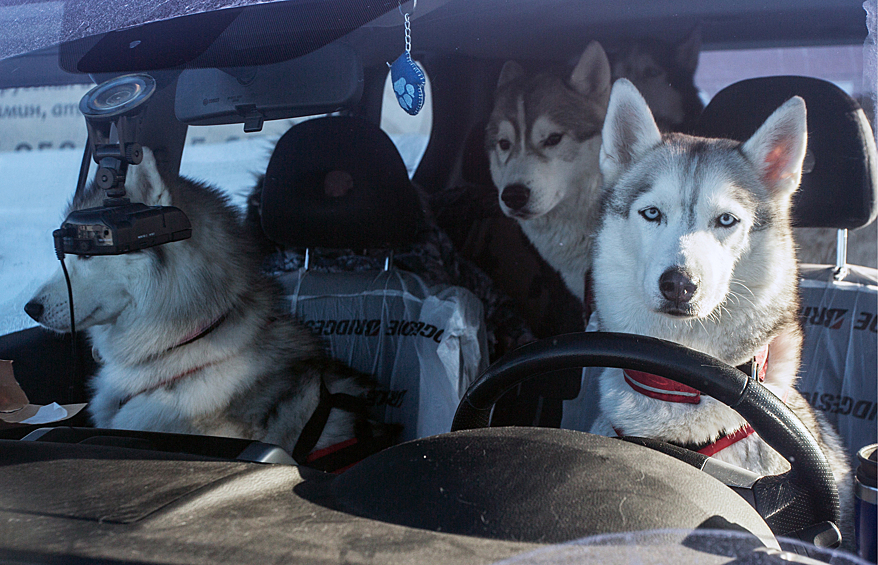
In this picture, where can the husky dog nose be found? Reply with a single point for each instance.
(515, 196)
(676, 286)
(34, 310)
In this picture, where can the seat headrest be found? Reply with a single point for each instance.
(339, 182)
(838, 187)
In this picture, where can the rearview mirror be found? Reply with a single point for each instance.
(321, 82)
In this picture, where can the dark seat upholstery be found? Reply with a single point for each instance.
(381, 208)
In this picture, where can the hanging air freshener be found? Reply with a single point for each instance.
(406, 76)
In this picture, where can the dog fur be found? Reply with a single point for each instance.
(695, 247)
(543, 142)
(256, 375)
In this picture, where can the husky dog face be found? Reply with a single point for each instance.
(543, 137)
(100, 293)
(694, 227)
(103, 286)
(695, 242)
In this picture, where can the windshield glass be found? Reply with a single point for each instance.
(408, 193)
(42, 125)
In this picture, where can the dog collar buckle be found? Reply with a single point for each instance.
(758, 365)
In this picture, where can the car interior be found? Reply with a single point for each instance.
(480, 350)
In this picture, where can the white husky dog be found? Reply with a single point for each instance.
(543, 141)
(695, 247)
(190, 336)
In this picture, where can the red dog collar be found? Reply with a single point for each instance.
(668, 390)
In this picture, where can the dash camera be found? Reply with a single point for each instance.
(113, 112)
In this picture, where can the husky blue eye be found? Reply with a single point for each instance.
(651, 214)
(726, 221)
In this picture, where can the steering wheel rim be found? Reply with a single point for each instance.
(768, 415)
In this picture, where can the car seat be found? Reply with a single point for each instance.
(338, 184)
(838, 190)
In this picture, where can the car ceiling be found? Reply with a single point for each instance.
(507, 28)
(226, 33)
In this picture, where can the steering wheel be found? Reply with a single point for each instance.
(802, 497)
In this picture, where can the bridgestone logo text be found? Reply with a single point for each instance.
(834, 318)
(371, 328)
(842, 405)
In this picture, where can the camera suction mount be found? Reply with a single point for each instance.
(113, 112)
(114, 109)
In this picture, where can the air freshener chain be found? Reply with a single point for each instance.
(406, 76)
(408, 35)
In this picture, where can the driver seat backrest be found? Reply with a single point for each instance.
(838, 190)
(338, 184)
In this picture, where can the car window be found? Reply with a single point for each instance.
(229, 159)
(839, 64)
(226, 157)
(40, 154)
(42, 118)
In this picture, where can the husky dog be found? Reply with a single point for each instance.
(695, 247)
(190, 337)
(543, 141)
(664, 73)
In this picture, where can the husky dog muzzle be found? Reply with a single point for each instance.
(678, 289)
(515, 196)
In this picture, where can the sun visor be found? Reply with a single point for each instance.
(323, 81)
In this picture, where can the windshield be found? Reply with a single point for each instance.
(36, 25)
(41, 122)
(389, 198)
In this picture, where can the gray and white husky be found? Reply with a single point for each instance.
(695, 247)
(543, 141)
(191, 338)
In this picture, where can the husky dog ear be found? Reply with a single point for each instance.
(144, 183)
(778, 147)
(591, 76)
(510, 71)
(629, 130)
(686, 54)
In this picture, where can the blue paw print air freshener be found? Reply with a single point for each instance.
(406, 76)
(408, 83)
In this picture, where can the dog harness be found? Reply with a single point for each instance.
(712, 447)
(200, 332)
(667, 390)
(341, 456)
